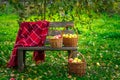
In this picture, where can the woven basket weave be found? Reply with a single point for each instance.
(78, 68)
(56, 43)
(70, 42)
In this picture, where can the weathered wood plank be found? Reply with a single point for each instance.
(60, 24)
(21, 63)
(46, 48)
(54, 32)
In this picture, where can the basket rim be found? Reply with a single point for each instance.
(80, 54)
(55, 38)
(71, 38)
(77, 63)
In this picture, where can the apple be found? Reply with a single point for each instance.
(79, 61)
(69, 35)
(74, 35)
(56, 37)
(64, 35)
(12, 79)
(74, 61)
(70, 60)
(76, 58)
(59, 36)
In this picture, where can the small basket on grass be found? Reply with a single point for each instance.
(56, 41)
(70, 39)
(77, 65)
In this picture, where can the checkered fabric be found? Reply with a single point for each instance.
(30, 34)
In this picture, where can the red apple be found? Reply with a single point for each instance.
(59, 36)
(70, 60)
(12, 79)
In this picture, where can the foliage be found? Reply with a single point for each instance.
(63, 9)
(6, 8)
(99, 45)
(116, 7)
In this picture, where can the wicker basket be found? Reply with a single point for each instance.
(78, 68)
(70, 42)
(56, 43)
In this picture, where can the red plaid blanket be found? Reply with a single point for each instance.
(30, 34)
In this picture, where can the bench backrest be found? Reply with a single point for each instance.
(58, 27)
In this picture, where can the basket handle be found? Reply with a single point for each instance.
(79, 54)
(70, 25)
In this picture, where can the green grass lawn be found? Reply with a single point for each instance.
(100, 46)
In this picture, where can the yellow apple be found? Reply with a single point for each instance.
(64, 35)
(74, 61)
(75, 36)
(79, 61)
(69, 36)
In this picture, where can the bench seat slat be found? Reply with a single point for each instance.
(46, 48)
(60, 24)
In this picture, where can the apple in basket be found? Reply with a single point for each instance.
(75, 60)
(57, 36)
(70, 60)
(70, 35)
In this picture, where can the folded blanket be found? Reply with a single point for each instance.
(30, 34)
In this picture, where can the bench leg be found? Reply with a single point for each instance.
(24, 57)
(21, 60)
(70, 52)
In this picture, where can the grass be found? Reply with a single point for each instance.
(100, 45)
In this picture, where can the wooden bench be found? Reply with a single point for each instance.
(22, 50)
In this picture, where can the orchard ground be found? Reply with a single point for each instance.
(99, 42)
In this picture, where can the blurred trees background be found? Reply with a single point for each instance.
(63, 9)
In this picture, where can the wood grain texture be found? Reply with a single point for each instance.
(61, 24)
(46, 48)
